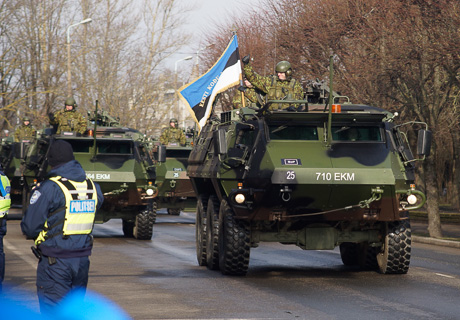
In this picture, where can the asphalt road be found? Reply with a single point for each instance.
(160, 279)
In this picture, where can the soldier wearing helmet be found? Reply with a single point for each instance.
(24, 131)
(69, 119)
(279, 87)
(173, 135)
(250, 96)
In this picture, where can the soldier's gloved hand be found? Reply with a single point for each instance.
(246, 59)
(51, 116)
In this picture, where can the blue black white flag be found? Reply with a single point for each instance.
(199, 95)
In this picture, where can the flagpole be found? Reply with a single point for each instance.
(243, 100)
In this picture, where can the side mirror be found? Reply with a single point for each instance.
(162, 153)
(220, 142)
(424, 142)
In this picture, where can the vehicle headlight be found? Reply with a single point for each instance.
(412, 199)
(240, 198)
(149, 192)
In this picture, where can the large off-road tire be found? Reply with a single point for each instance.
(349, 252)
(200, 229)
(25, 198)
(212, 233)
(394, 256)
(359, 254)
(143, 225)
(173, 212)
(128, 228)
(234, 242)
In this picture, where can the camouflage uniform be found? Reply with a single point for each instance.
(24, 132)
(250, 99)
(172, 135)
(274, 88)
(69, 121)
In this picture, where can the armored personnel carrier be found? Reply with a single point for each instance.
(318, 178)
(175, 192)
(11, 155)
(116, 157)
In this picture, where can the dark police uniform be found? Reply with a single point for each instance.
(5, 203)
(60, 218)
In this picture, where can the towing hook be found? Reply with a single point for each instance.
(285, 194)
(172, 184)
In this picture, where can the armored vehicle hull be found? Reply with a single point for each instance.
(11, 158)
(303, 178)
(119, 161)
(175, 191)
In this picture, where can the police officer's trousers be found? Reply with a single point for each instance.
(2, 253)
(55, 281)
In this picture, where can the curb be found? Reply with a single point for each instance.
(438, 242)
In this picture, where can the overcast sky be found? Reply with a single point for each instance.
(205, 15)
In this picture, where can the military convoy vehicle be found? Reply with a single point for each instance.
(325, 176)
(175, 191)
(118, 159)
(11, 155)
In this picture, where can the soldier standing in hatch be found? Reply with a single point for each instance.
(250, 95)
(173, 134)
(60, 217)
(279, 87)
(24, 131)
(69, 119)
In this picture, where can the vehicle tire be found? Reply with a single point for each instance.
(174, 212)
(143, 225)
(369, 257)
(128, 228)
(394, 257)
(200, 229)
(212, 233)
(349, 252)
(234, 242)
(25, 198)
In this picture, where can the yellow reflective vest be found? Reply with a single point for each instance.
(80, 207)
(5, 198)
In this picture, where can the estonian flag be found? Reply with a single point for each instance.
(199, 95)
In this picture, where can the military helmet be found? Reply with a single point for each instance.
(25, 119)
(174, 120)
(70, 102)
(284, 66)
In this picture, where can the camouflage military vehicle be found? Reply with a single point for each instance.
(116, 157)
(11, 158)
(175, 191)
(312, 178)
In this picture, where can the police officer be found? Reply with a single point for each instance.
(279, 87)
(24, 131)
(173, 134)
(5, 203)
(69, 119)
(60, 218)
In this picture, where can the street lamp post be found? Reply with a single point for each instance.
(175, 84)
(69, 76)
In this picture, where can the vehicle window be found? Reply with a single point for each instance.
(356, 134)
(284, 132)
(81, 146)
(245, 137)
(170, 153)
(114, 147)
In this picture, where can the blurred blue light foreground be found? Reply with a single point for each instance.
(77, 305)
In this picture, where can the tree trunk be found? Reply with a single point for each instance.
(452, 191)
(432, 193)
